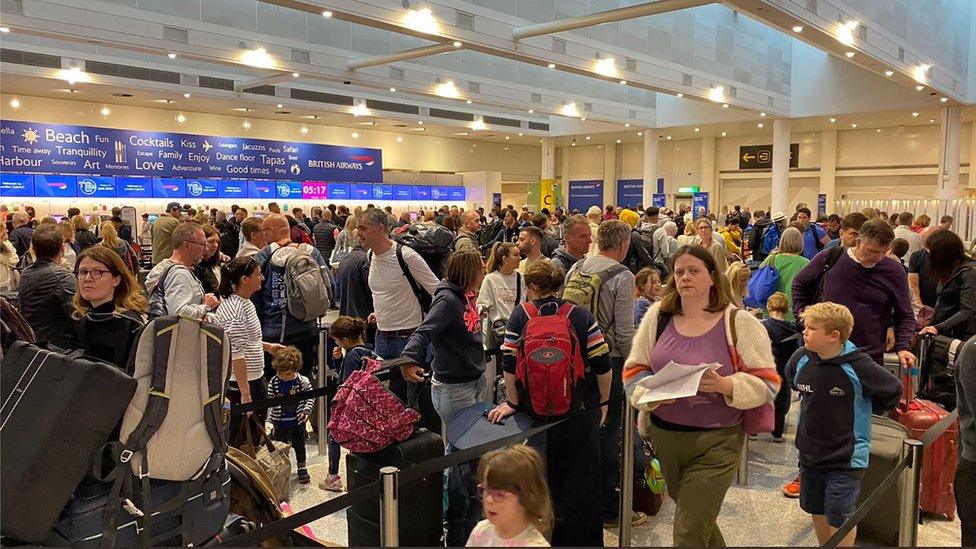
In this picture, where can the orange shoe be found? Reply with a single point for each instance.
(792, 490)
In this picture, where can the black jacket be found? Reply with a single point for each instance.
(21, 239)
(324, 235)
(46, 291)
(85, 239)
(780, 334)
(452, 328)
(355, 299)
(755, 238)
(506, 235)
(549, 245)
(837, 397)
(107, 335)
(955, 308)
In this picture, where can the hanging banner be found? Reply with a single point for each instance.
(699, 201)
(630, 193)
(659, 200)
(821, 205)
(547, 194)
(85, 150)
(585, 193)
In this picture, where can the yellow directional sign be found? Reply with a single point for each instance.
(760, 157)
(747, 157)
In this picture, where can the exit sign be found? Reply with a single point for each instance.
(688, 190)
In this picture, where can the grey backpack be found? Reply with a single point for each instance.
(306, 288)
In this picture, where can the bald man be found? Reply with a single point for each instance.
(467, 238)
(269, 301)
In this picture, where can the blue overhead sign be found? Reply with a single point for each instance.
(630, 193)
(339, 191)
(36, 147)
(96, 187)
(402, 192)
(585, 193)
(232, 188)
(16, 184)
(55, 186)
(133, 187)
(202, 188)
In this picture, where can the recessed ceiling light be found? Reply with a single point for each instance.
(295, 74)
(725, 105)
(627, 125)
(914, 115)
(797, 28)
(74, 74)
(531, 111)
(879, 130)
(854, 125)
(186, 95)
(832, 120)
(618, 141)
(717, 94)
(551, 65)
(258, 57)
(15, 103)
(399, 139)
(326, 13)
(606, 66)
(360, 109)
(180, 118)
(279, 105)
(506, 148)
(944, 99)
(468, 102)
(447, 89)
(421, 20)
(355, 135)
(246, 125)
(5, 30)
(850, 54)
(845, 33)
(420, 121)
(762, 114)
(919, 87)
(724, 134)
(679, 94)
(479, 124)
(520, 134)
(668, 138)
(106, 111)
(697, 130)
(457, 44)
(392, 90)
(303, 129)
(921, 73)
(583, 119)
(507, 138)
(931, 121)
(889, 74)
(623, 82)
(760, 125)
(587, 138)
(171, 55)
(573, 144)
(639, 134)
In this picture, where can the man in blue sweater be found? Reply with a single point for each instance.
(874, 287)
(839, 386)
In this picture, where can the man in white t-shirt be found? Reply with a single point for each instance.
(397, 308)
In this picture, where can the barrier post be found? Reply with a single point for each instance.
(323, 404)
(911, 479)
(742, 474)
(389, 508)
(627, 478)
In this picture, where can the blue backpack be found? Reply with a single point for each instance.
(762, 284)
(770, 239)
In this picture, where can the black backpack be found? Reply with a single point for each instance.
(433, 242)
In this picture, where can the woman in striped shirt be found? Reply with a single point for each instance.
(237, 316)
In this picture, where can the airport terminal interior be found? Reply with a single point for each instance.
(723, 134)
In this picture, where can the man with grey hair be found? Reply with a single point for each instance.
(21, 235)
(615, 316)
(402, 285)
(665, 243)
(577, 241)
(182, 293)
(467, 238)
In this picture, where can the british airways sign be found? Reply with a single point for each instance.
(34, 147)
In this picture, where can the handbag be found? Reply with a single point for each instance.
(271, 455)
(762, 284)
(648, 483)
(494, 332)
(761, 419)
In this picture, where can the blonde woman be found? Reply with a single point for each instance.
(70, 256)
(738, 274)
(690, 237)
(111, 240)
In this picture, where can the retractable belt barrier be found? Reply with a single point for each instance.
(930, 436)
(278, 401)
(371, 490)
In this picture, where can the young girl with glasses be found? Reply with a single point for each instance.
(515, 500)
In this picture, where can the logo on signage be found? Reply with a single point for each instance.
(368, 160)
(284, 190)
(295, 169)
(86, 186)
(207, 146)
(378, 192)
(30, 136)
(119, 152)
(194, 187)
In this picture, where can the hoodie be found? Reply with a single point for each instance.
(452, 328)
(563, 259)
(270, 299)
(837, 396)
(182, 292)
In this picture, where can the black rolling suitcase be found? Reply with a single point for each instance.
(58, 410)
(421, 502)
(880, 525)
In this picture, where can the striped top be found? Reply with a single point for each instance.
(239, 319)
(596, 353)
(286, 415)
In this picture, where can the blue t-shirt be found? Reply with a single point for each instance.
(353, 361)
(811, 237)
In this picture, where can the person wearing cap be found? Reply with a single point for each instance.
(770, 238)
(162, 232)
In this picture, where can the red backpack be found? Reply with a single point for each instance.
(549, 365)
(365, 416)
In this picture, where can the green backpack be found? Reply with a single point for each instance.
(583, 288)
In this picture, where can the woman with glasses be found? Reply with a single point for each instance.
(703, 227)
(109, 306)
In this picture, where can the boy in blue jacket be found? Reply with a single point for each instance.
(839, 385)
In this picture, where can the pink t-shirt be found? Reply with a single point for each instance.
(485, 535)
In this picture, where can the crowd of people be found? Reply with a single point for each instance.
(639, 288)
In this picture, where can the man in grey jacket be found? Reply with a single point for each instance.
(182, 292)
(615, 315)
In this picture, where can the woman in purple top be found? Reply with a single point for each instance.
(699, 438)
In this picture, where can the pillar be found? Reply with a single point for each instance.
(781, 166)
(947, 187)
(547, 198)
(609, 174)
(564, 182)
(972, 156)
(650, 167)
(828, 167)
(707, 181)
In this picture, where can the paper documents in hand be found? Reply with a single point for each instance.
(674, 381)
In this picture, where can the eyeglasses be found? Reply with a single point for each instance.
(496, 495)
(94, 274)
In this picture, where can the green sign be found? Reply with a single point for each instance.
(688, 190)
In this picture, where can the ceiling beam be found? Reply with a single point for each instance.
(404, 55)
(270, 79)
(609, 16)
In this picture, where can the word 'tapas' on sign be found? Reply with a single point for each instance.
(760, 157)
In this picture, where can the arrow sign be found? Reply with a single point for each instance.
(760, 157)
(747, 157)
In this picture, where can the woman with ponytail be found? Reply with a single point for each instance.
(237, 316)
(502, 290)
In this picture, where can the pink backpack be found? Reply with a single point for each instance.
(366, 417)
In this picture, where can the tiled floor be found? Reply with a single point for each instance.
(756, 514)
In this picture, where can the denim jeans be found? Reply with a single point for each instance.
(464, 506)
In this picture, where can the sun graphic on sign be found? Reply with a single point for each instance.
(30, 135)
